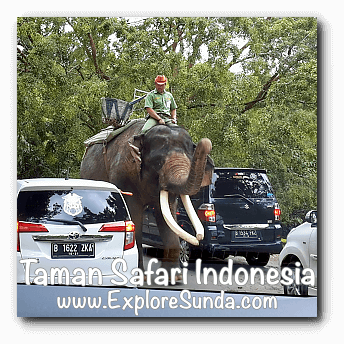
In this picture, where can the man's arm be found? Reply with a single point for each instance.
(154, 115)
(173, 110)
(174, 116)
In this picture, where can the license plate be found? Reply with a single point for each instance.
(73, 250)
(250, 233)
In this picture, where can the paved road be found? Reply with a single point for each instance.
(238, 275)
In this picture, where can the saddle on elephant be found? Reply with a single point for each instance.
(115, 112)
(109, 133)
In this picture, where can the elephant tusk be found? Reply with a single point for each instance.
(196, 222)
(166, 212)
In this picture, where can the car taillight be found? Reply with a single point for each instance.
(122, 226)
(113, 227)
(129, 235)
(277, 212)
(28, 227)
(206, 212)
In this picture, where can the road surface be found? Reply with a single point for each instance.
(216, 280)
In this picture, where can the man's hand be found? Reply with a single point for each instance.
(154, 115)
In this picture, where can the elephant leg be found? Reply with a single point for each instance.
(139, 247)
(170, 241)
(136, 212)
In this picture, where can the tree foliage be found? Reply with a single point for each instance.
(248, 84)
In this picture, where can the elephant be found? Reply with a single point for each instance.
(156, 168)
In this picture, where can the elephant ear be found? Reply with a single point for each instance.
(135, 145)
(138, 141)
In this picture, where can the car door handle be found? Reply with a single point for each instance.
(314, 256)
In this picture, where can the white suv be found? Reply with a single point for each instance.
(301, 252)
(70, 231)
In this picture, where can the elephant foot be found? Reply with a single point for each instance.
(171, 278)
(178, 278)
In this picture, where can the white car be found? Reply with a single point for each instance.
(301, 252)
(70, 231)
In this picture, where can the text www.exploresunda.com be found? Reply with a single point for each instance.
(186, 301)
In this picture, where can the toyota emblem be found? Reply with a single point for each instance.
(73, 235)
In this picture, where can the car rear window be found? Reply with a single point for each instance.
(86, 206)
(249, 184)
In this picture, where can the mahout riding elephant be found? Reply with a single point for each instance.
(156, 167)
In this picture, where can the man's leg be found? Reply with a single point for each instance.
(150, 123)
(168, 121)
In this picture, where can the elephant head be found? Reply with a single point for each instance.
(167, 159)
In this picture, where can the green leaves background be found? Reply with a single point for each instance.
(248, 84)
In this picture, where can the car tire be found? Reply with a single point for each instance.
(257, 259)
(186, 254)
(295, 289)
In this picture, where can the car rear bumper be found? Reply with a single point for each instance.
(271, 248)
(118, 275)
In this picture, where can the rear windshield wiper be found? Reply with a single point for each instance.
(238, 195)
(69, 222)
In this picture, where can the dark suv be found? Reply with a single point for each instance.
(240, 214)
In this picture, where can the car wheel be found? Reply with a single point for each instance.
(185, 252)
(258, 259)
(295, 289)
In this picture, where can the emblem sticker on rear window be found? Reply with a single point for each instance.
(72, 204)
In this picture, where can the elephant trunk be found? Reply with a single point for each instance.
(197, 169)
(182, 176)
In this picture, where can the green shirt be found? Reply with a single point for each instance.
(160, 103)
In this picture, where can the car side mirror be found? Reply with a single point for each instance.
(311, 217)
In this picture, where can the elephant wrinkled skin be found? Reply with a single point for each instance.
(156, 167)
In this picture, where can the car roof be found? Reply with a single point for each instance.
(62, 183)
(243, 169)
